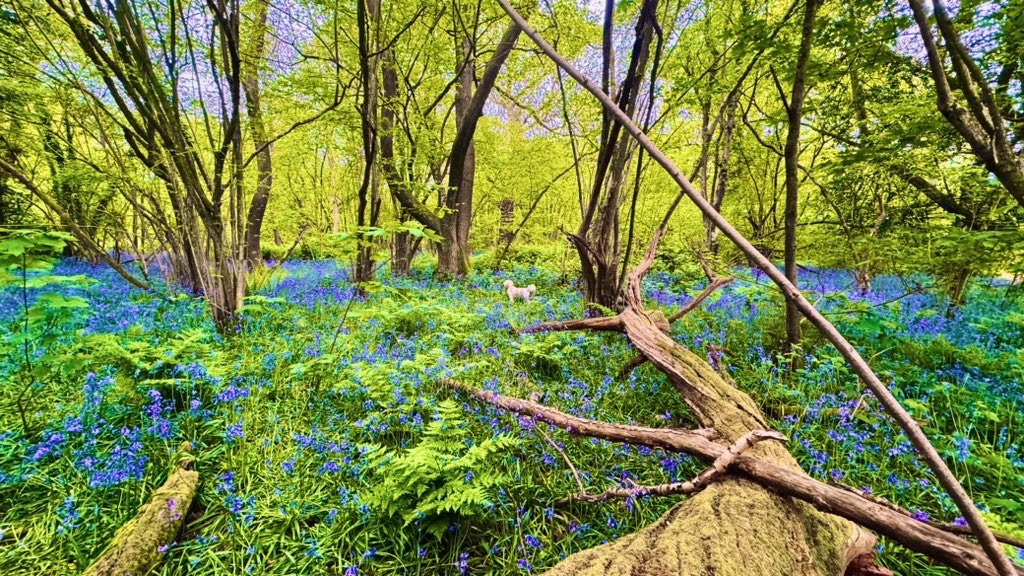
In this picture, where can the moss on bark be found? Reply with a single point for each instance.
(136, 547)
(733, 527)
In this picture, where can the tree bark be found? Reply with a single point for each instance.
(597, 240)
(792, 155)
(135, 548)
(507, 207)
(721, 172)
(368, 19)
(402, 244)
(257, 47)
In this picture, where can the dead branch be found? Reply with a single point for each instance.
(999, 562)
(692, 305)
(601, 324)
(710, 474)
(568, 461)
(634, 290)
(951, 528)
(697, 442)
(288, 253)
(945, 548)
(714, 283)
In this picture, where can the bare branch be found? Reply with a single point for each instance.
(601, 324)
(922, 537)
(710, 474)
(792, 294)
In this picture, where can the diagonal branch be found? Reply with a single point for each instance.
(793, 295)
(700, 298)
(922, 537)
(710, 474)
(66, 219)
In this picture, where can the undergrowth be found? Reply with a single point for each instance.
(325, 444)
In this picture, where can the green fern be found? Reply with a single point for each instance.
(443, 477)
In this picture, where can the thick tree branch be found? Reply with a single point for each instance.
(921, 537)
(853, 358)
(600, 324)
(710, 474)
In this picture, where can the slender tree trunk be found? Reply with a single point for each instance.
(453, 255)
(507, 207)
(402, 244)
(792, 156)
(464, 196)
(721, 172)
(368, 17)
(335, 214)
(403, 248)
(597, 241)
(256, 52)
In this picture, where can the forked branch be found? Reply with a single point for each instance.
(910, 427)
(710, 474)
(938, 544)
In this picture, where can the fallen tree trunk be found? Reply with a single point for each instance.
(138, 546)
(692, 389)
(937, 541)
(767, 517)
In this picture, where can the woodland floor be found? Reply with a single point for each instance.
(325, 445)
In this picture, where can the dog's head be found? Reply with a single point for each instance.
(507, 284)
(531, 288)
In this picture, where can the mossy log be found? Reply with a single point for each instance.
(733, 527)
(136, 547)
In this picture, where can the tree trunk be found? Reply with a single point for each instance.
(265, 175)
(792, 156)
(453, 226)
(597, 240)
(368, 17)
(403, 249)
(469, 107)
(452, 257)
(992, 135)
(507, 207)
(403, 246)
(335, 214)
(730, 528)
(721, 172)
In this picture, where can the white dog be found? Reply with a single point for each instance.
(514, 292)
